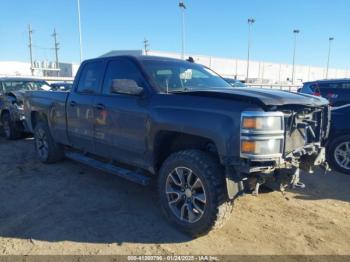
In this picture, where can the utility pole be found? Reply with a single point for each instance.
(146, 46)
(329, 54)
(251, 21)
(183, 8)
(296, 32)
(56, 47)
(30, 31)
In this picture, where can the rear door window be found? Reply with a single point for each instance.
(89, 82)
(308, 88)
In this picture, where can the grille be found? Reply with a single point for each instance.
(295, 140)
(304, 127)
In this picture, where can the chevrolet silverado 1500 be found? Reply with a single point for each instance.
(179, 123)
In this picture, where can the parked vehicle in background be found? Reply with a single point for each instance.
(234, 82)
(11, 103)
(61, 86)
(337, 91)
(338, 146)
(179, 122)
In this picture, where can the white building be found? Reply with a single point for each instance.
(14, 68)
(261, 72)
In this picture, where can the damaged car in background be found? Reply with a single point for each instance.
(205, 143)
(12, 90)
(338, 143)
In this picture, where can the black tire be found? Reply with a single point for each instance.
(334, 145)
(10, 128)
(205, 167)
(48, 151)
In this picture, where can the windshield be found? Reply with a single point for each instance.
(177, 76)
(17, 85)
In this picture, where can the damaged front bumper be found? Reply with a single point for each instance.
(277, 173)
(306, 158)
(297, 136)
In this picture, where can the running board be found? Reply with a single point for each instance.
(109, 168)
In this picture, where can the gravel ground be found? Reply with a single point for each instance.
(68, 208)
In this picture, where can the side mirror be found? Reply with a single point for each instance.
(125, 86)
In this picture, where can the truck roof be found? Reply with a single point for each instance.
(329, 80)
(138, 57)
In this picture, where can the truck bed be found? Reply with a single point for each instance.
(53, 104)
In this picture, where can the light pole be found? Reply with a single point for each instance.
(80, 36)
(183, 8)
(30, 31)
(295, 32)
(329, 54)
(251, 21)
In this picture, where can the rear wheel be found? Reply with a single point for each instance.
(48, 151)
(192, 192)
(10, 129)
(339, 154)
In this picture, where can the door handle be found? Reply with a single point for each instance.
(100, 107)
(73, 103)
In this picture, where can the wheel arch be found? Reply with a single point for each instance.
(168, 142)
(36, 117)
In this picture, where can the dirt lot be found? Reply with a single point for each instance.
(68, 208)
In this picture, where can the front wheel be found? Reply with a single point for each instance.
(48, 151)
(192, 192)
(339, 154)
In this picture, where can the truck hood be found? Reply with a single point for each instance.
(265, 97)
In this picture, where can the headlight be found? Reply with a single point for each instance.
(262, 134)
(262, 123)
(262, 147)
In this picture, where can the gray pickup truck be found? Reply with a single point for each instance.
(180, 124)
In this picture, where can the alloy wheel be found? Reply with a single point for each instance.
(342, 155)
(186, 195)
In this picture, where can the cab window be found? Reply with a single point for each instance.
(90, 78)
